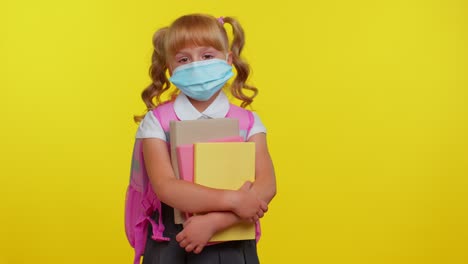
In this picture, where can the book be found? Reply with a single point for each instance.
(185, 157)
(192, 131)
(226, 165)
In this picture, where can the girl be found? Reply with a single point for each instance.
(196, 53)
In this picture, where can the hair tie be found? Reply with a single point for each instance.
(221, 20)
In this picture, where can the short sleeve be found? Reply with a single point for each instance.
(150, 128)
(257, 126)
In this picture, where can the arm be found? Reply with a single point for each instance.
(199, 229)
(191, 197)
(265, 179)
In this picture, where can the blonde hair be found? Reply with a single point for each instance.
(198, 30)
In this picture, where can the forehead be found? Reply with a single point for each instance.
(195, 35)
(192, 49)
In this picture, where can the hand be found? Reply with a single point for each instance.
(197, 231)
(247, 205)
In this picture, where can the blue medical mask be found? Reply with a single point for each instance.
(200, 80)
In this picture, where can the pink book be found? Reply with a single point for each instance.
(185, 161)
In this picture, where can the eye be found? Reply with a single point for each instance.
(183, 60)
(208, 56)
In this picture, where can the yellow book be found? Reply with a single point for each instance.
(226, 165)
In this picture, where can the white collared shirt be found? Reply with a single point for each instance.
(151, 128)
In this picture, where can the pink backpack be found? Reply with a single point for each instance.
(141, 202)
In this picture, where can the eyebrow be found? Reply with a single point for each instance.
(181, 53)
(209, 48)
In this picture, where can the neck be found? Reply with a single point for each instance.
(203, 105)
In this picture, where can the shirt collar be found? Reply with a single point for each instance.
(186, 111)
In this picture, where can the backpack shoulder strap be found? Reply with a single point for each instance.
(245, 117)
(141, 202)
(165, 114)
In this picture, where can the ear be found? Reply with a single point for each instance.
(169, 69)
(229, 58)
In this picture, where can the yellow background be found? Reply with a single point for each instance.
(365, 103)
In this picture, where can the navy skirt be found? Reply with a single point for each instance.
(169, 252)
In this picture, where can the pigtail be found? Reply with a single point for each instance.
(152, 94)
(242, 67)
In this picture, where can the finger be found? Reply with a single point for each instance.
(198, 249)
(264, 206)
(183, 243)
(260, 214)
(189, 248)
(246, 186)
(180, 236)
